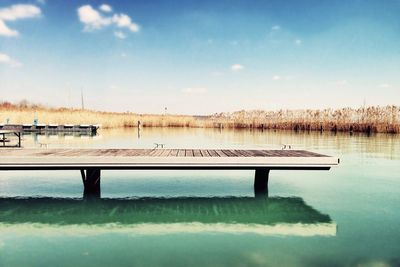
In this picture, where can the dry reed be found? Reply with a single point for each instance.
(369, 119)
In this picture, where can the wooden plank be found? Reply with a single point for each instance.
(236, 153)
(197, 153)
(205, 153)
(120, 152)
(243, 153)
(111, 152)
(116, 152)
(127, 152)
(291, 153)
(85, 153)
(153, 152)
(47, 152)
(256, 153)
(134, 152)
(181, 153)
(62, 152)
(271, 153)
(251, 153)
(189, 153)
(146, 152)
(158, 153)
(97, 152)
(220, 153)
(229, 153)
(212, 153)
(165, 152)
(285, 153)
(173, 153)
(308, 153)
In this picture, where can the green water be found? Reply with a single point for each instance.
(348, 216)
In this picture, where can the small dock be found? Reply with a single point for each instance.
(5, 140)
(52, 128)
(90, 162)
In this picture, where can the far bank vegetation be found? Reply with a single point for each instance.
(373, 119)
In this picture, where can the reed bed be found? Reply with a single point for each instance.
(373, 119)
(25, 113)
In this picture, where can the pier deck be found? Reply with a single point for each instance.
(91, 161)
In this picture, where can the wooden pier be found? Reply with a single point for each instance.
(52, 128)
(5, 140)
(90, 162)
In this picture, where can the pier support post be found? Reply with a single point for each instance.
(91, 182)
(261, 182)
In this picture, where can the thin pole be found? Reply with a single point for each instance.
(83, 105)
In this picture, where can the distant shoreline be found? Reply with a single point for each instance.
(374, 119)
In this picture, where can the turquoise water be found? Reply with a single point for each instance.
(348, 216)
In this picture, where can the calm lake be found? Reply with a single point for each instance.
(347, 216)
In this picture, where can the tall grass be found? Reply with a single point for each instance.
(369, 119)
(26, 113)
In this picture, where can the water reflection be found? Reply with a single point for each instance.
(275, 215)
(55, 139)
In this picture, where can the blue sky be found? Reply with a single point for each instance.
(200, 57)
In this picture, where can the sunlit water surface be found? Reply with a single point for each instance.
(348, 216)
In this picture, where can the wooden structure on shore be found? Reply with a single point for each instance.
(5, 140)
(90, 162)
(52, 128)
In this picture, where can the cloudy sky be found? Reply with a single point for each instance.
(199, 57)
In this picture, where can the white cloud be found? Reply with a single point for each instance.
(21, 11)
(385, 85)
(105, 8)
(122, 20)
(119, 35)
(194, 90)
(93, 20)
(276, 77)
(237, 67)
(298, 42)
(275, 28)
(16, 12)
(42, 2)
(7, 60)
(5, 31)
(4, 58)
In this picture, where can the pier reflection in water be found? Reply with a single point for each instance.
(265, 216)
(55, 139)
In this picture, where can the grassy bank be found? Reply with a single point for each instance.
(370, 119)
